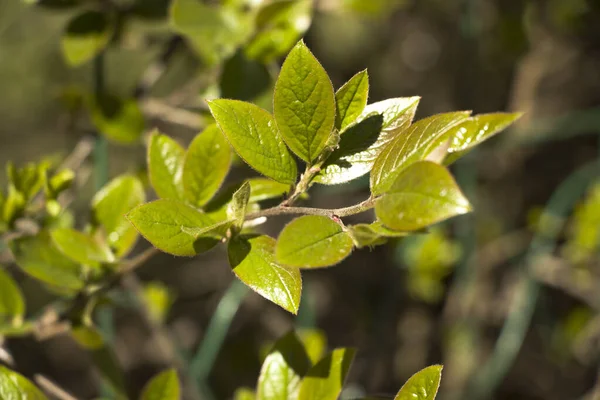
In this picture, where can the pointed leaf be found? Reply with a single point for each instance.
(85, 37)
(283, 369)
(304, 103)
(82, 248)
(38, 257)
(423, 194)
(165, 166)
(312, 241)
(476, 130)
(206, 165)
(266, 189)
(351, 99)
(362, 141)
(236, 210)
(315, 343)
(120, 120)
(109, 207)
(166, 223)
(163, 386)
(325, 380)
(12, 305)
(14, 386)
(253, 134)
(253, 261)
(412, 145)
(423, 385)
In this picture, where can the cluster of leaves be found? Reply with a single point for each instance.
(339, 138)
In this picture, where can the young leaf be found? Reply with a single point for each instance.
(253, 134)
(16, 386)
(476, 130)
(165, 166)
(363, 235)
(265, 189)
(253, 261)
(27, 180)
(423, 194)
(283, 369)
(362, 141)
(315, 343)
(85, 37)
(12, 305)
(325, 380)
(163, 386)
(206, 165)
(109, 207)
(82, 248)
(164, 222)
(312, 241)
(412, 145)
(236, 210)
(120, 120)
(304, 103)
(423, 385)
(37, 256)
(244, 393)
(351, 99)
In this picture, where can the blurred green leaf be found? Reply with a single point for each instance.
(243, 79)
(59, 182)
(38, 257)
(476, 130)
(583, 237)
(253, 134)
(163, 386)
(423, 194)
(109, 206)
(314, 342)
(27, 180)
(265, 189)
(283, 369)
(165, 166)
(54, 4)
(82, 248)
(304, 103)
(12, 304)
(120, 120)
(312, 241)
(244, 394)
(253, 262)
(412, 145)
(86, 36)
(325, 380)
(13, 205)
(206, 165)
(362, 141)
(14, 386)
(351, 99)
(423, 385)
(363, 235)
(162, 223)
(236, 210)
(158, 299)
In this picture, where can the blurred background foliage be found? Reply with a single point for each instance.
(507, 298)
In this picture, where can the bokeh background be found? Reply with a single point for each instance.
(504, 299)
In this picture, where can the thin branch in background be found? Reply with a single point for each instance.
(52, 388)
(178, 116)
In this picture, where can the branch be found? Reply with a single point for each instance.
(174, 115)
(325, 212)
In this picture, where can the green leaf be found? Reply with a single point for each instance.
(412, 145)
(12, 305)
(476, 130)
(325, 380)
(13, 205)
(244, 79)
(158, 299)
(236, 210)
(253, 262)
(423, 385)
(206, 165)
(244, 393)
(38, 257)
(265, 189)
(27, 180)
(253, 134)
(109, 207)
(362, 142)
(283, 369)
(165, 166)
(312, 241)
(351, 99)
(59, 182)
(166, 223)
(82, 248)
(86, 36)
(374, 234)
(120, 120)
(304, 103)
(315, 343)
(163, 386)
(423, 194)
(14, 386)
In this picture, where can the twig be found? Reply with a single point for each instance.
(326, 212)
(174, 115)
(52, 388)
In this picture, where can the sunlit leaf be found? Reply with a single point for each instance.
(86, 35)
(163, 386)
(27, 180)
(81, 247)
(14, 386)
(253, 134)
(312, 241)
(304, 103)
(423, 385)
(265, 189)
(236, 210)
(423, 194)
(120, 120)
(244, 393)
(314, 342)
(351, 99)
(253, 261)
(12, 304)
(165, 166)
(325, 380)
